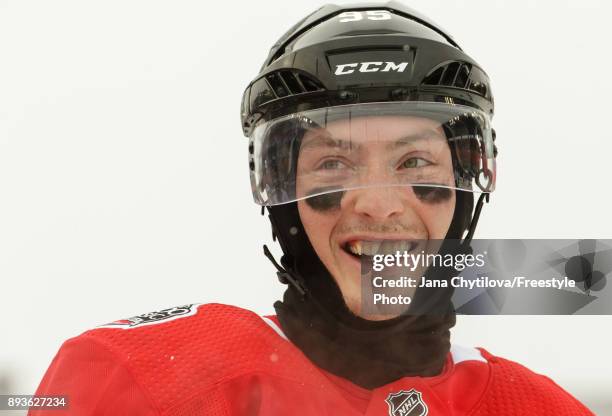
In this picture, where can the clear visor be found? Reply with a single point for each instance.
(355, 146)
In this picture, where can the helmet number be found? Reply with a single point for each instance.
(369, 15)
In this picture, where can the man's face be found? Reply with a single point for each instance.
(358, 155)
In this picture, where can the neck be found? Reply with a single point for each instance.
(368, 353)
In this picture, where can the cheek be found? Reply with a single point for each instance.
(436, 207)
(319, 223)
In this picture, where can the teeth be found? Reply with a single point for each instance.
(355, 247)
(391, 247)
(370, 248)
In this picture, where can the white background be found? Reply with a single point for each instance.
(124, 181)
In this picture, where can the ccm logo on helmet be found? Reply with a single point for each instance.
(345, 69)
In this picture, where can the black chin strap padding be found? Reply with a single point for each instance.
(285, 276)
(468, 238)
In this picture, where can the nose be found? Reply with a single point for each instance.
(378, 203)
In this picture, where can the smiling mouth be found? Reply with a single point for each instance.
(362, 248)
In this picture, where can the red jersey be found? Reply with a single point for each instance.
(219, 360)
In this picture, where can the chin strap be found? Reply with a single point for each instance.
(285, 276)
(468, 238)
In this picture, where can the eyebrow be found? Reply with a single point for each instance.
(325, 140)
(322, 140)
(425, 135)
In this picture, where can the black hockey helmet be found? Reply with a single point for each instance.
(348, 61)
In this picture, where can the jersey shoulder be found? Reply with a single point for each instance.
(159, 360)
(515, 389)
(213, 330)
(179, 353)
(179, 316)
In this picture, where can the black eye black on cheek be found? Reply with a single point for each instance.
(331, 201)
(325, 202)
(432, 194)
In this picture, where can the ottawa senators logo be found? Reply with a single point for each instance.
(406, 403)
(151, 318)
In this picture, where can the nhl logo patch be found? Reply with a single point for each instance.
(152, 318)
(406, 403)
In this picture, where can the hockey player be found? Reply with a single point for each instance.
(369, 130)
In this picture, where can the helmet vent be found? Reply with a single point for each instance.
(453, 74)
(462, 76)
(449, 75)
(434, 77)
(295, 86)
(279, 84)
(310, 84)
(459, 75)
(285, 83)
(479, 83)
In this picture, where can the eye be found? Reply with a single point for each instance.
(414, 162)
(332, 164)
